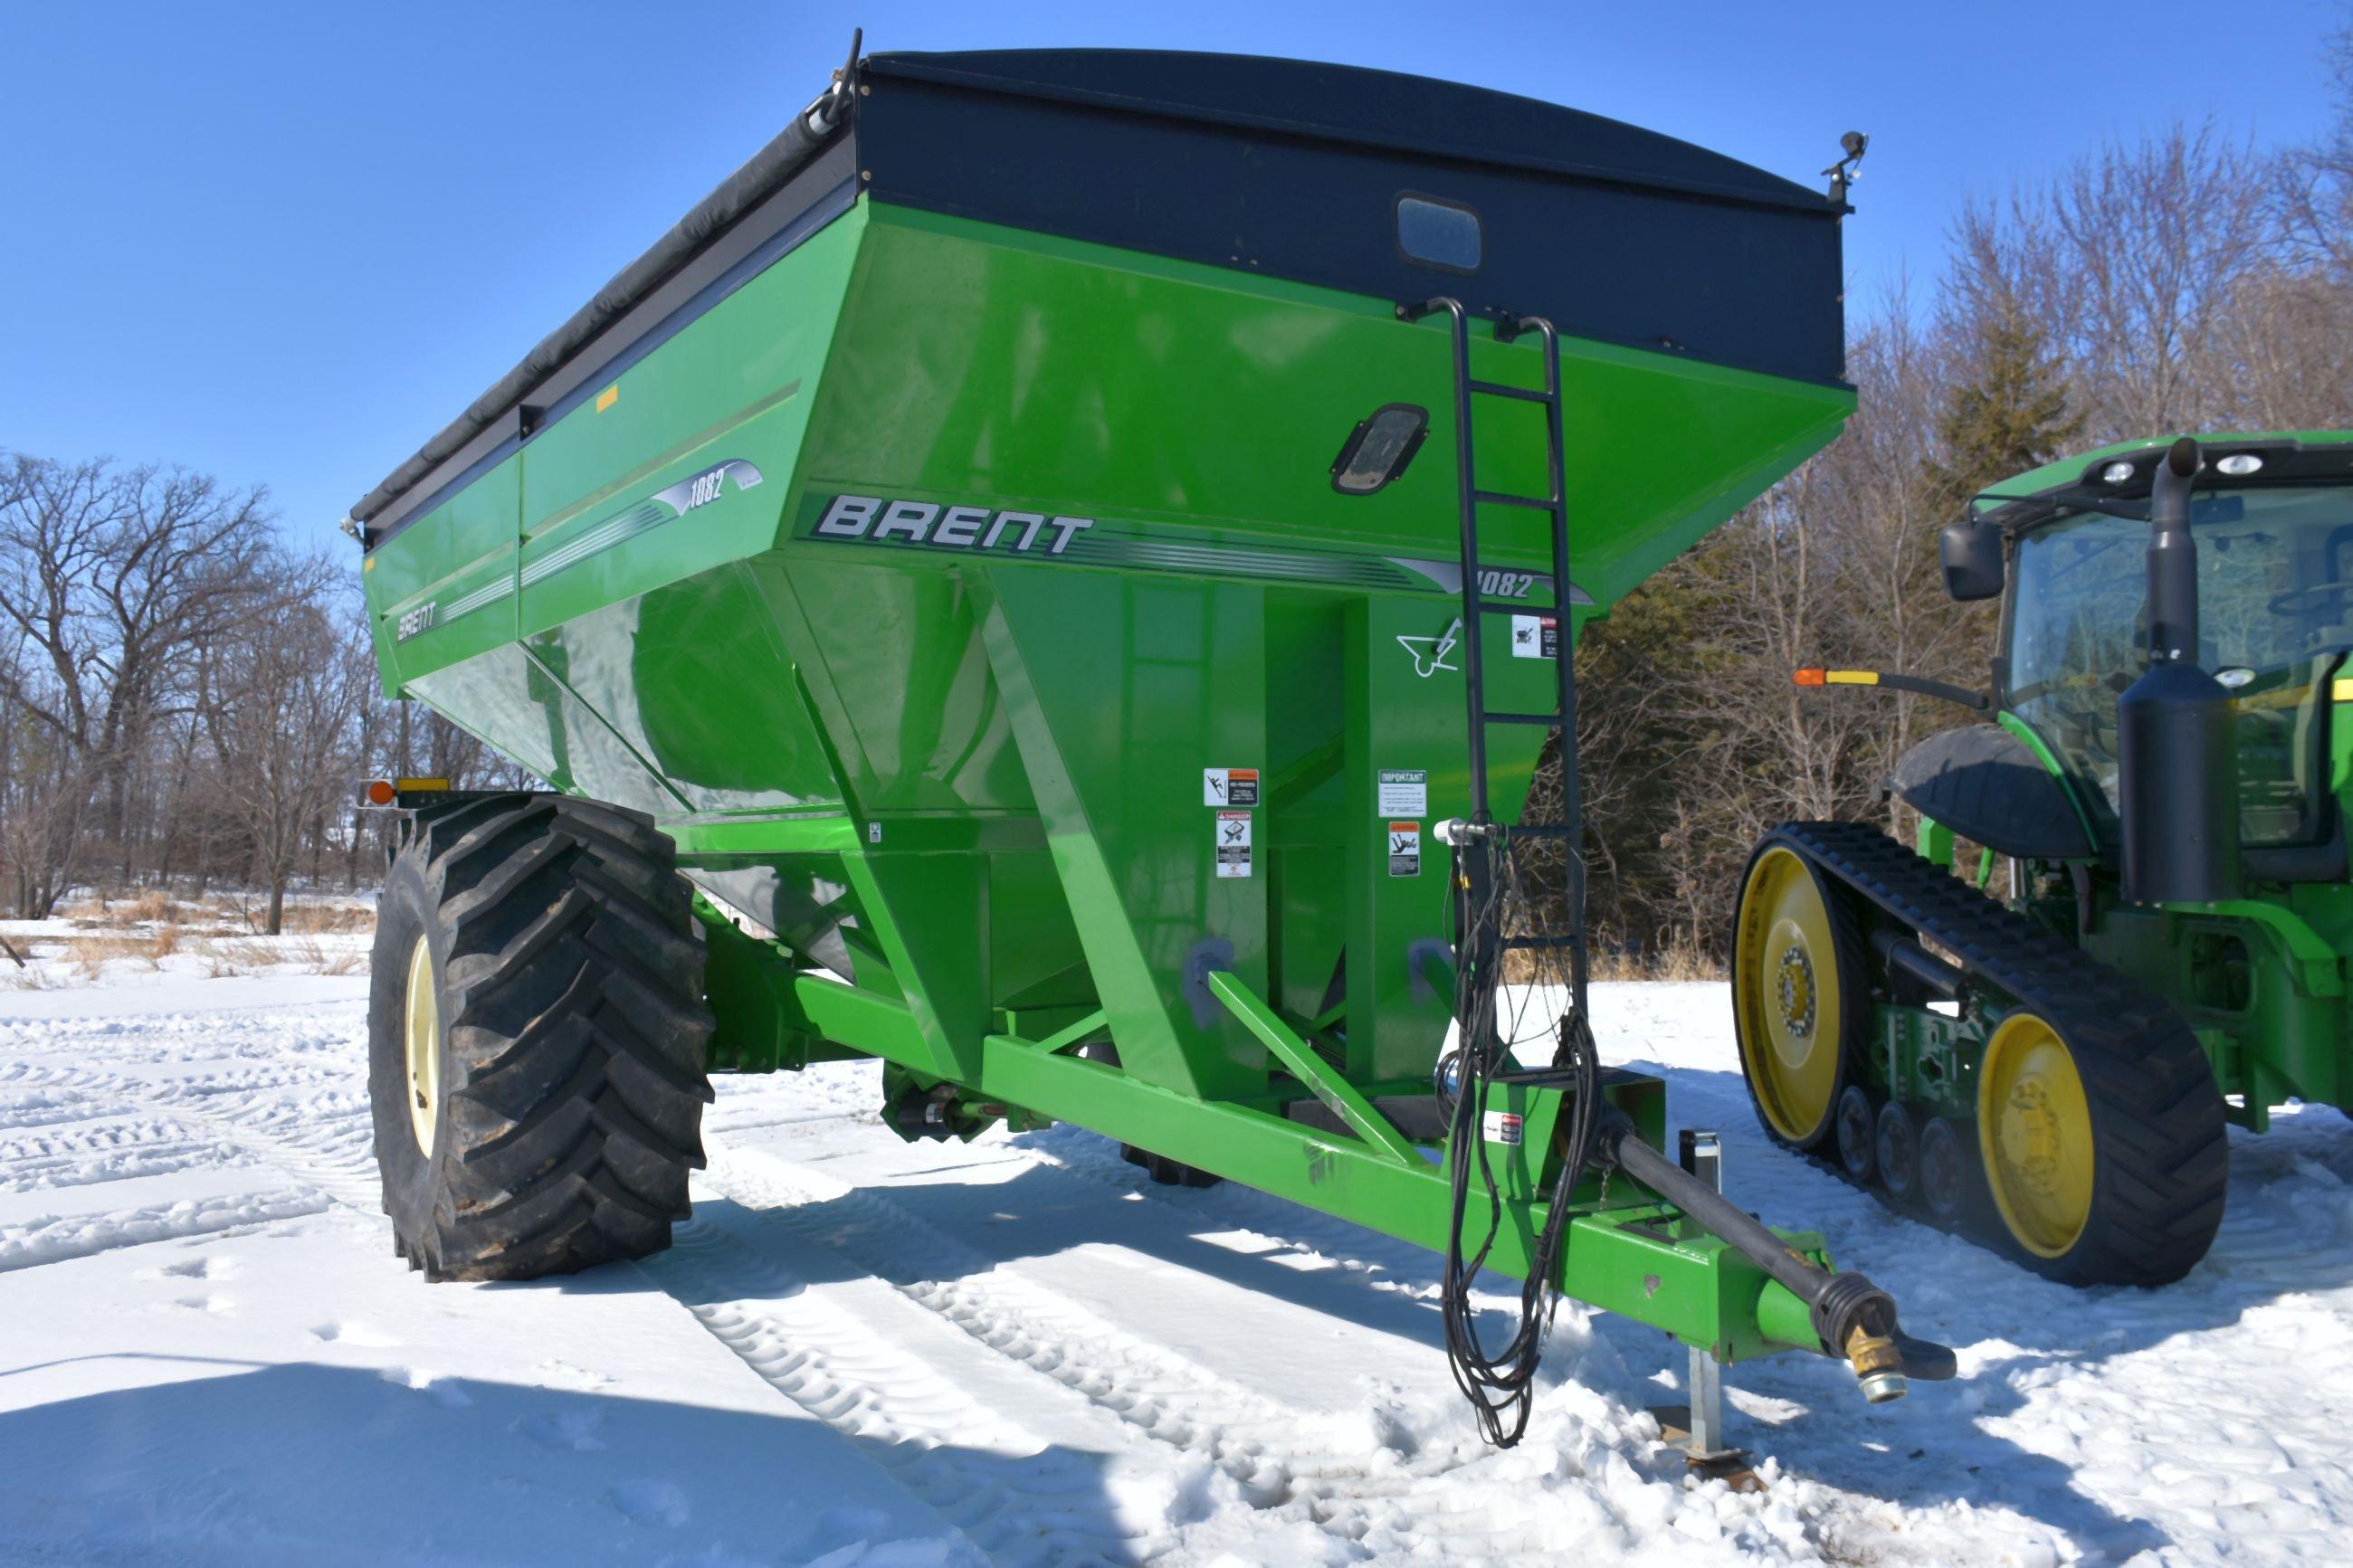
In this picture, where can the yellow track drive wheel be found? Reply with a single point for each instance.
(1800, 993)
(2035, 1136)
(2100, 1134)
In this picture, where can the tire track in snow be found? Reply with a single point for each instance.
(1017, 1498)
(335, 1151)
(1014, 1497)
(1284, 1460)
(328, 1147)
(100, 1150)
(1014, 1500)
(55, 1239)
(73, 1134)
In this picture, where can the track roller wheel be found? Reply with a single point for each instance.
(1801, 1001)
(1898, 1144)
(1858, 1134)
(1946, 1176)
(536, 1032)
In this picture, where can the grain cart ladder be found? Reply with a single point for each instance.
(1486, 893)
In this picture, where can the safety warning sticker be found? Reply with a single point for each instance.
(1405, 848)
(1405, 792)
(1233, 844)
(1535, 636)
(1228, 786)
(1502, 1127)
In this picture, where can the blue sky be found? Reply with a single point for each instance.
(286, 243)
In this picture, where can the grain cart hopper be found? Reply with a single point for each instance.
(1010, 585)
(2164, 764)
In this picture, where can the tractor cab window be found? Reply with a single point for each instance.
(2275, 620)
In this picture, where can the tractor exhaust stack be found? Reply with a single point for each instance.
(2176, 729)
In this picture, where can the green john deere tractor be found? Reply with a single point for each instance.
(2164, 766)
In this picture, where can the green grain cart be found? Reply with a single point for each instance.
(1056, 575)
(2165, 765)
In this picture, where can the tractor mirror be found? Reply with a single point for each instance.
(1971, 553)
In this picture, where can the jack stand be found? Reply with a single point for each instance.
(1697, 1427)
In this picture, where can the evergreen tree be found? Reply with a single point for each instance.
(2010, 411)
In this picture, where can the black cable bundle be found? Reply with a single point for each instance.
(1500, 1384)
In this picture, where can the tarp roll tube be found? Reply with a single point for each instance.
(760, 177)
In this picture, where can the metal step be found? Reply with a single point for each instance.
(1526, 394)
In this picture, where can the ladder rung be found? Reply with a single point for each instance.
(1538, 830)
(1497, 389)
(1552, 718)
(1540, 942)
(1497, 497)
(1487, 607)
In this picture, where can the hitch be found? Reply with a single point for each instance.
(1852, 1320)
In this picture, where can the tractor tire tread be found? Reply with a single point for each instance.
(576, 1037)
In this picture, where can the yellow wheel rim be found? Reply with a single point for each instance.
(1786, 996)
(421, 1034)
(2034, 1132)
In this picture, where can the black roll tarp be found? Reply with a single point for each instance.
(760, 177)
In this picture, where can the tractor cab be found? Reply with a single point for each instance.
(2274, 587)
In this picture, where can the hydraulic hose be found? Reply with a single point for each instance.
(1854, 1319)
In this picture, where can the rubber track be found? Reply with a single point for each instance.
(2163, 1153)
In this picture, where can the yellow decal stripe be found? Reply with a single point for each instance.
(1851, 677)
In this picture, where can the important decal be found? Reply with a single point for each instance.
(1405, 848)
(1535, 636)
(1228, 786)
(1502, 1127)
(1233, 844)
(1404, 792)
(881, 519)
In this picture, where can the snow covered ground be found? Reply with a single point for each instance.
(1020, 1352)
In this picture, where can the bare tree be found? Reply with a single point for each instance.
(109, 578)
(2128, 257)
(284, 723)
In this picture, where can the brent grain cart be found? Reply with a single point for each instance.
(1057, 576)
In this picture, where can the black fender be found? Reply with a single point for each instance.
(1989, 787)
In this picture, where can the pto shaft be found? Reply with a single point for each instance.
(1853, 1319)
